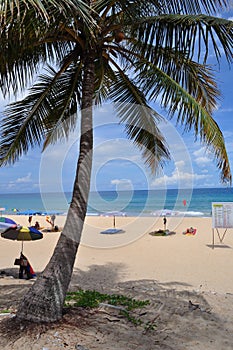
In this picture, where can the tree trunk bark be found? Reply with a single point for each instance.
(44, 301)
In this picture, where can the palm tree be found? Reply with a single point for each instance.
(129, 52)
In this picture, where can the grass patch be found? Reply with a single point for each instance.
(5, 311)
(93, 299)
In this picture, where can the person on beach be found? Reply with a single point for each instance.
(190, 230)
(164, 223)
(25, 268)
(30, 220)
(37, 225)
(53, 217)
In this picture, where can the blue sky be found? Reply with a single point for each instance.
(117, 163)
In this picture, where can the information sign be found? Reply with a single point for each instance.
(222, 214)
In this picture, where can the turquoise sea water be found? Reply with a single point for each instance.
(196, 202)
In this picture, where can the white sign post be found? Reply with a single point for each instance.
(222, 217)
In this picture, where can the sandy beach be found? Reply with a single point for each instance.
(169, 270)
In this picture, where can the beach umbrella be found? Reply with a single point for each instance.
(7, 220)
(29, 212)
(21, 233)
(4, 226)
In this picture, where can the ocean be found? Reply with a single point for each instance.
(195, 202)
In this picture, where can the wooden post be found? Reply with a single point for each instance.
(212, 238)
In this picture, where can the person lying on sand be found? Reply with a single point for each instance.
(190, 231)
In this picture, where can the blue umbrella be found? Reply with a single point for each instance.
(7, 220)
(29, 212)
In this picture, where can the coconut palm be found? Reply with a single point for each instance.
(86, 52)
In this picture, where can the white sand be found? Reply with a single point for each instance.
(170, 271)
(176, 258)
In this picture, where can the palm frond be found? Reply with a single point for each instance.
(193, 6)
(162, 40)
(140, 120)
(12, 11)
(27, 41)
(64, 117)
(191, 34)
(190, 113)
(144, 7)
(46, 113)
(197, 79)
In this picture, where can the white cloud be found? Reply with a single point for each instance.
(225, 110)
(123, 183)
(202, 158)
(208, 184)
(180, 164)
(24, 179)
(199, 152)
(20, 181)
(185, 179)
(202, 161)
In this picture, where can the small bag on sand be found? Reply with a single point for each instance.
(17, 262)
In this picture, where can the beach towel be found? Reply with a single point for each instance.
(112, 231)
(162, 233)
(190, 231)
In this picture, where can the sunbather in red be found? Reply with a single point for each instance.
(190, 231)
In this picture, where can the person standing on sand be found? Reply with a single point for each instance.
(53, 217)
(30, 220)
(164, 223)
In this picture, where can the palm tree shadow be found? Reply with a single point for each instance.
(169, 307)
(102, 278)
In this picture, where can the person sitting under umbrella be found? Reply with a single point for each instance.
(25, 268)
(37, 225)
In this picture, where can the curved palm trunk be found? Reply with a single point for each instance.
(44, 301)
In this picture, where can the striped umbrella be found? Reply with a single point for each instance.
(22, 233)
(4, 226)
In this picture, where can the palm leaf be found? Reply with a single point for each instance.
(46, 113)
(48, 10)
(197, 79)
(189, 112)
(140, 121)
(162, 6)
(27, 41)
(64, 117)
(188, 33)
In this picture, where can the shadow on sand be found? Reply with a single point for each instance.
(175, 319)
